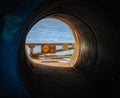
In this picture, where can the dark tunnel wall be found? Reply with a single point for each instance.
(12, 19)
(13, 15)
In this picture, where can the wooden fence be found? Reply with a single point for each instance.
(47, 48)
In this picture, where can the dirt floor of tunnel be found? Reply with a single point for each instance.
(39, 67)
(66, 84)
(62, 81)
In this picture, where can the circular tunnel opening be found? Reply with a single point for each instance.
(83, 44)
(83, 58)
(51, 42)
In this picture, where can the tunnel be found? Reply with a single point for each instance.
(95, 70)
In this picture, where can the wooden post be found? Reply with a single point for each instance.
(31, 46)
(31, 51)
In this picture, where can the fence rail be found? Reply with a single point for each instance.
(49, 47)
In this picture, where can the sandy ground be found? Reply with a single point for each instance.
(61, 80)
(51, 63)
(45, 67)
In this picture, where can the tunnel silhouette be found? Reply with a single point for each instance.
(91, 75)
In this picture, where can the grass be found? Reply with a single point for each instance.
(67, 55)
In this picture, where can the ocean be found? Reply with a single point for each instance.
(49, 30)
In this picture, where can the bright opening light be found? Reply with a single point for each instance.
(50, 42)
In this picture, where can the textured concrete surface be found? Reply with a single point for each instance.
(61, 82)
(17, 81)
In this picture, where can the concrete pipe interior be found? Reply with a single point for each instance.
(83, 51)
(54, 59)
(96, 63)
(84, 56)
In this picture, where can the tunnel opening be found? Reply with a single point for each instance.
(83, 59)
(39, 62)
(50, 42)
(85, 47)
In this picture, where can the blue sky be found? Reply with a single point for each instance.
(50, 30)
